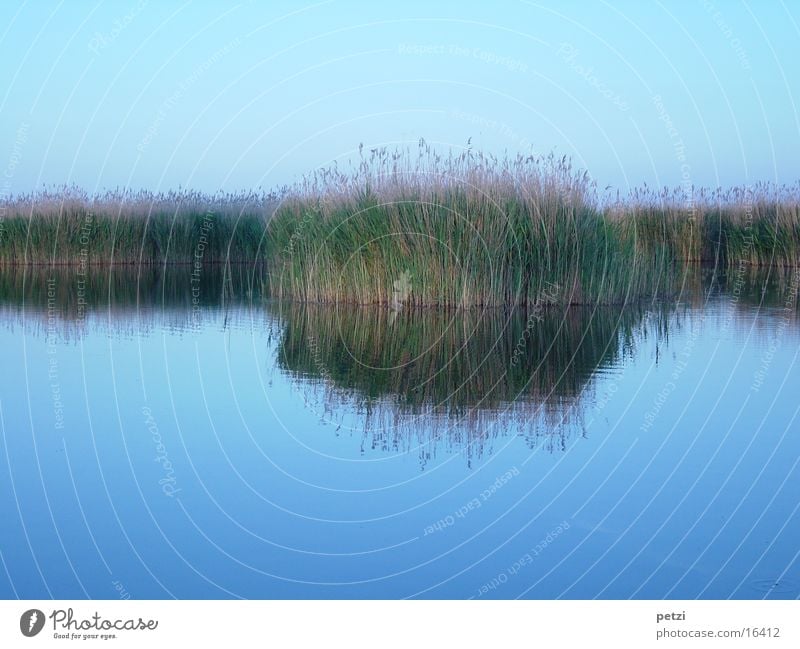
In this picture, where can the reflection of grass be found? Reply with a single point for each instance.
(427, 378)
(118, 290)
(452, 362)
(770, 287)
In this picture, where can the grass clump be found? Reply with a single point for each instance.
(422, 229)
(754, 226)
(473, 230)
(68, 226)
(466, 230)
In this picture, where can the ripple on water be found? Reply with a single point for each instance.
(776, 587)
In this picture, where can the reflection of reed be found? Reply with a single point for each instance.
(742, 286)
(450, 361)
(770, 287)
(404, 378)
(120, 291)
(429, 374)
(128, 295)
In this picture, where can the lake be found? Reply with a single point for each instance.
(167, 435)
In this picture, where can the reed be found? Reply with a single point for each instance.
(753, 226)
(472, 230)
(67, 226)
(418, 228)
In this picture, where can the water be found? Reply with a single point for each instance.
(163, 438)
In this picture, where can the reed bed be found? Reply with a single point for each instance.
(459, 231)
(472, 230)
(67, 226)
(742, 226)
(418, 228)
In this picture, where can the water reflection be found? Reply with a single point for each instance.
(459, 377)
(121, 291)
(404, 379)
(679, 421)
(127, 298)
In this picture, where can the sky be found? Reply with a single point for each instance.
(230, 96)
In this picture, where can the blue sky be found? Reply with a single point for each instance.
(210, 95)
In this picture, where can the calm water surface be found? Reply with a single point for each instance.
(168, 438)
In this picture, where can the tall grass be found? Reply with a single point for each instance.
(418, 228)
(68, 226)
(466, 230)
(757, 225)
(473, 230)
